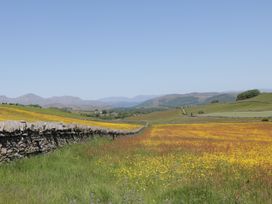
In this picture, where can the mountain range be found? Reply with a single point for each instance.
(141, 101)
(76, 102)
(56, 101)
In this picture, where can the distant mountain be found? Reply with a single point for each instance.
(117, 102)
(174, 100)
(76, 102)
(57, 101)
(29, 99)
(141, 101)
(4, 99)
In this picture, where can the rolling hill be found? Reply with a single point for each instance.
(175, 100)
(222, 98)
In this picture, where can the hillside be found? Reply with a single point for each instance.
(262, 98)
(259, 106)
(170, 101)
(175, 100)
(246, 110)
(222, 98)
(263, 102)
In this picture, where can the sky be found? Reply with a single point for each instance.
(95, 49)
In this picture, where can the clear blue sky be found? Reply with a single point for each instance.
(94, 49)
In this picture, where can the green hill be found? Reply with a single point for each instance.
(177, 100)
(263, 102)
(171, 101)
(262, 98)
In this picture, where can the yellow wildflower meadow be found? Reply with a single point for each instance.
(247, 144)
(170, 155)
(13, 113)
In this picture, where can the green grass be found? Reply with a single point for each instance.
(74, 174)
(60, 177)
(264, 98)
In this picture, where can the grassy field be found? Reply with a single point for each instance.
(194, 163)
(36, 114)
(177, 159)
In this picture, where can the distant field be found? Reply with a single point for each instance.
(195, 163)
(175, 116)
(36, 114)
(252, 114)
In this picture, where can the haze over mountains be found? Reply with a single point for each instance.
(125, 101)
(56, 101)
(76, 102)
(141, 101)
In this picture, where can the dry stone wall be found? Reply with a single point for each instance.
(23, 139)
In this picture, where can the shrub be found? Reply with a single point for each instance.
(201, 112)
(215, 101)
(248, 94)
(34, 105)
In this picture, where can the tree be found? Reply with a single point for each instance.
(248, 94)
